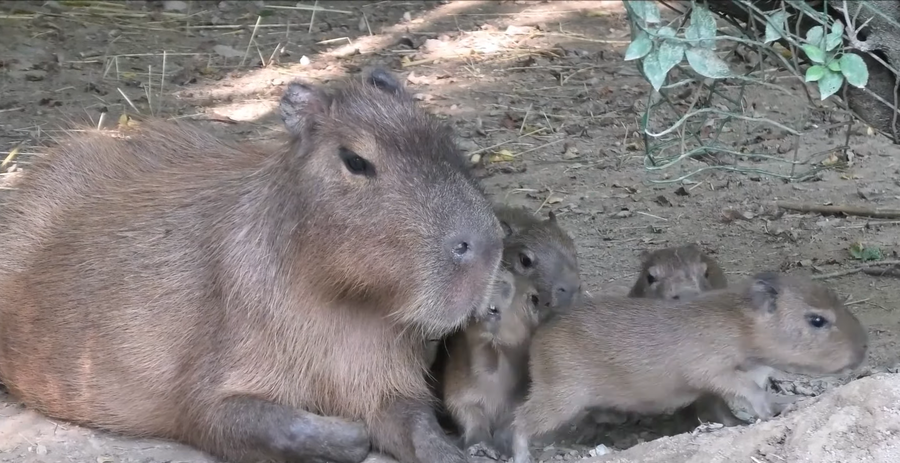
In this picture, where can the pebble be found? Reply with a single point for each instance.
(175, 5)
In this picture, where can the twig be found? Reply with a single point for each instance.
(312, 19)
(653, 216)
(252, 36)
(546, 200)
(847, 210)
(128, 100)
(482, 150)
(876, 272)
(867, 269)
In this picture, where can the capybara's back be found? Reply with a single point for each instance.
(169, 283)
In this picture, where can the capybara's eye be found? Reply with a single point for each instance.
(816, 321)
(355, 163)
(534, 299)
(525, 260)
(651, 279)
(493, 310)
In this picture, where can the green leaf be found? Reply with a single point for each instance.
(646, 10)
(775, 26)
(834, 65)
(653, 70)
(814, 73)
(639, 47)
(702, 29)
(830, 83)
(666, 32)
(854, 69)
(670, 54)
(814, 36)
(835, 37)
(707, 64)
(814, 53)
(865, 253)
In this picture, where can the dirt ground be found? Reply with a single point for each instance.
(539, 87)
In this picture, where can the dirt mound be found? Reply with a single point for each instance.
(858, 422)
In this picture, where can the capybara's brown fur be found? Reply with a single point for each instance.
(684, 272)
(650, 356)
(252, 302)
(487, 371)
(676, 272)
(542, 251)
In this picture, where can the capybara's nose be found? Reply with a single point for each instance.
(564, 293)
(470, 248)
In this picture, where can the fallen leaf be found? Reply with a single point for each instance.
(730, 215)
(570, 152)
(10, 156)
(681, 192)
(663, 201)
(126, 121)
(501, 156)
(597, 13)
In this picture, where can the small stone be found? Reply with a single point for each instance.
(407, 17)
(304, 60)
(175, 5)
(41, 449)
(35, 76)
(599, 450)
(362, 24)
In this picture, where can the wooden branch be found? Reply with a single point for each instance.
(874, 269)
(847, 210)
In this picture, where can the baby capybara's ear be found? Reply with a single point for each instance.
(386, 81)
(302, 106)
(764, 291)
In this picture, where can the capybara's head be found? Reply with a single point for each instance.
(512, 312)
(803, 327)
(395, 216)
(675, 273)
(543, 252)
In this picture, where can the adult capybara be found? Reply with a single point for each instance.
(255, 303)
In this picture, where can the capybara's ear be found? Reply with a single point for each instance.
(764, 291)
(384, 80)
(508, 228)
(551, 217)
(302, 106)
